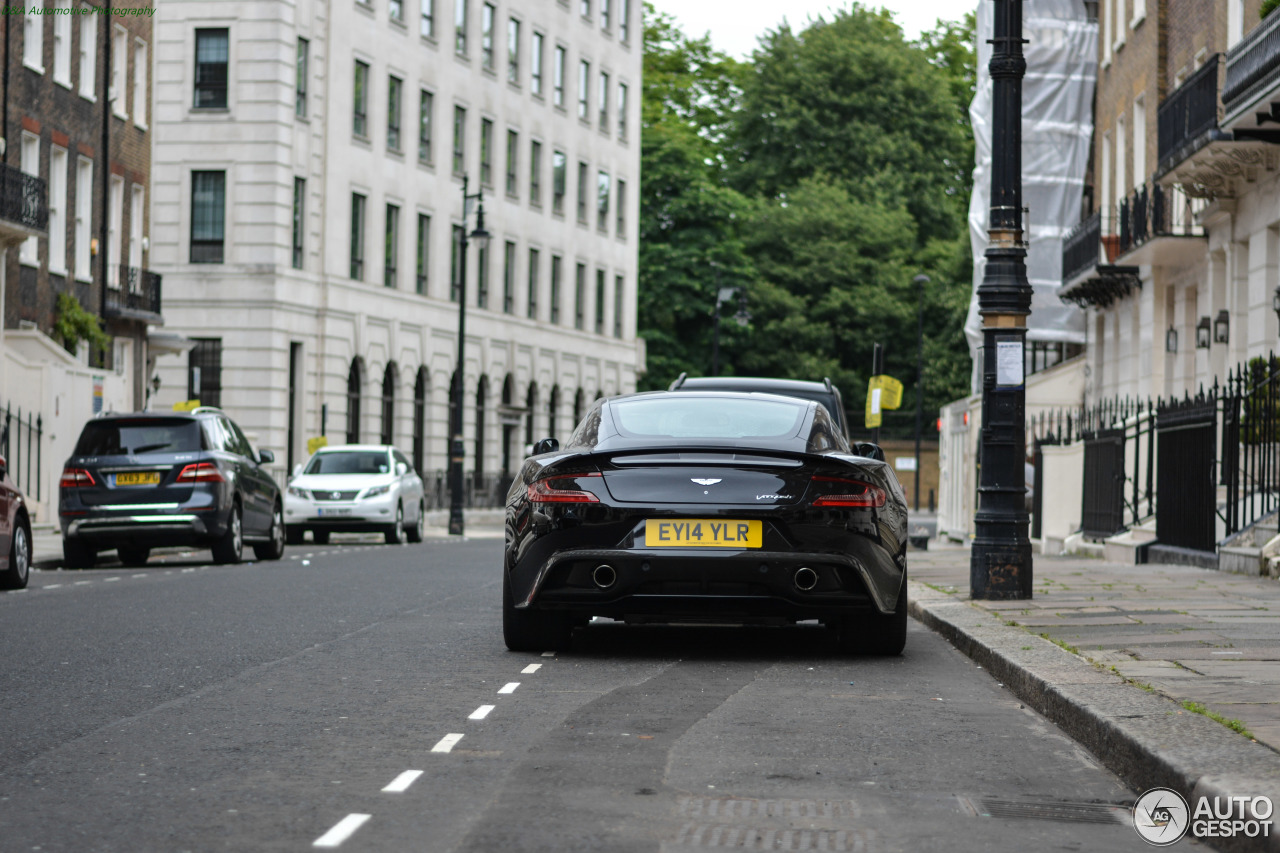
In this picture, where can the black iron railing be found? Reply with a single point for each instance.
(1080, 250)
(1152, 211)
(1253, 64)
(1188, 118)
(24, 199)
(21, 443)
(138, 290)
(1251, 442)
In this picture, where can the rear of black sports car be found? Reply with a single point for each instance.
(697, 530)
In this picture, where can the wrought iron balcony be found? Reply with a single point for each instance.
(1081, 248)
(24, 202)
(1253, 76)
(1188, 117)
(135, 295)
(1089, 274)
(1152, 212)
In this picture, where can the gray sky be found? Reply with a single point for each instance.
(735, 24)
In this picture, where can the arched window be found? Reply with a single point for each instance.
(482, 398)
(355, 381)
(531, 406)
(579, 400)
(389, 403)
(552, 406)
(508, 429)
(419, 418)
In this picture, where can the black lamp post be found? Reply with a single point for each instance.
(1000, 561)
(920, 280)
(457, 449)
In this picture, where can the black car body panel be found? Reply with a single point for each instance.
(638, 484)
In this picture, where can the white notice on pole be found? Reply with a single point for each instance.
(875, 401)
(1009, 363)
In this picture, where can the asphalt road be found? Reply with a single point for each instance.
(268, 706)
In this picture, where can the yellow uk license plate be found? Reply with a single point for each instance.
(702, 532)
(138, 478)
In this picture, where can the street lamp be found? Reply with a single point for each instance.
(1171, 340)
(920, 280)
(1202, 333)
(457, 449)
(723, 295)
(1221, 326)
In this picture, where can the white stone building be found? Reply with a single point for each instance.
(307, 197)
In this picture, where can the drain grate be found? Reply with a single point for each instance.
(1048, 810)
(726, 808)
(728, 837)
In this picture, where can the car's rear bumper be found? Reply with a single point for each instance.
(108, 530)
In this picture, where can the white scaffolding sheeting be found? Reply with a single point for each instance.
(1057, 129)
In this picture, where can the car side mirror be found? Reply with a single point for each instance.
(546, 445)
(266, 457)
(401, 469)
(869, 450)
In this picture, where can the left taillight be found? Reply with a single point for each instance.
(200, 472)
(559, 489)
(837, 491)
(74, 478)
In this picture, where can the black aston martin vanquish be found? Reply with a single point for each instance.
(705, 507)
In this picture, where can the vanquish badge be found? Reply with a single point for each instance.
(1161, 817)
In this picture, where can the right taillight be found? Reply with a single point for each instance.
(200, 472)
(74, 478)
(837, 491)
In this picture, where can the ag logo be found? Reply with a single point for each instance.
(1161, 817)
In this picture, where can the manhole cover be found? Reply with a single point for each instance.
(1047, 810)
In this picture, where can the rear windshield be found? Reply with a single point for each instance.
(683, 416)
(349, 462)
(154, 435)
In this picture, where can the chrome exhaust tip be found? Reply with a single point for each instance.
(604, 576)
(805, 579)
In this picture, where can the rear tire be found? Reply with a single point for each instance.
(230, 548)
(19, 571)
(320, 537)
(293, 534)
(133, 556)
(274, 548)
(532, 631)
(419, 530)
(394, 535)
(876, 633)
(76, 555)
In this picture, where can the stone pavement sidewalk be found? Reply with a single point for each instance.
(1169, 674)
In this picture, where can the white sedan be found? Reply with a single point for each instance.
(355, 488)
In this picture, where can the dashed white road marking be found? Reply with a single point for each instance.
(110, 580)
(531, 669)
(139, 575)
(341, 831)
(548, 654)
(402, 782)
(82, 583)
(510, 687)
(447, 743)
(481, 712)
(51, 586)
(187, 571)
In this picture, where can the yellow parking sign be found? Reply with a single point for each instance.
(883, 392)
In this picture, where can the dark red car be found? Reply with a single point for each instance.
(15, 533)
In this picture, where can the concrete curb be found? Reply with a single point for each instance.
(1146, 739)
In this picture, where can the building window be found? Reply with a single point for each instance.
(557, 77)
(559, 166)
(509, 278)
(584, 85)
(600, 278)
(459, 139)
(33, 40)
(531, 405)
(604, 102)
(426, 104)
(582, 193)
(88, 54)
(140, 66)
(29, 163)
(580, 297)
(535, 173)
(604, 14)
(394, 87)
(424, 252)
(617, 306)
(389, 403)
(62, 43)
(486, 152)
(513, 50)
(427, 23)
(419, 419)
(620, 227)
(355, 380)
(622, 111)
(119, 70)
(460, 27)
(487, 14)
(115, 231)
(557, 265)
(624, 23)
(482, 276)
(455, 264)
(531, 308)
(204, 372)
(211, 68)
(135, 222)
(357, 236)
(299, 204)
(553, 406)
(58, 209)
(585, 8)
(300, 79)
(208, 216)
(535, 65)
(360, 101)
(391, 246)
(395, 11)
(482, 397)
(84, 219)
(513, 145)
(602, 201)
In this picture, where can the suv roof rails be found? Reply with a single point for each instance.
(678, 382)
(826, 380)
